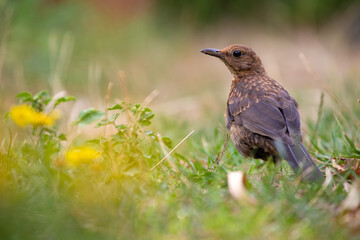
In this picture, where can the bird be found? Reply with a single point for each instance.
(262, 118)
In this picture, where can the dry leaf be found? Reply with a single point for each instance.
(237, 187)
(351, 207)
(352, 201)
(336, 166)
(350, 163)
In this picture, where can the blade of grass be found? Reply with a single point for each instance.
(150, 97)
(221, 153)
(167, 155)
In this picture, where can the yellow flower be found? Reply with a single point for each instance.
(80, 155)
(24, 115)
(46, 119)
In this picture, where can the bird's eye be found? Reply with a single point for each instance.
(237, 53)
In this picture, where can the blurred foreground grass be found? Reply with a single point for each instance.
(52, 187)
(55, 186)
(89, 175)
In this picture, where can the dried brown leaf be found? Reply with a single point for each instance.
(350, 163)
(352, 201)
(336, 166)
(237, 187)
(350, 207)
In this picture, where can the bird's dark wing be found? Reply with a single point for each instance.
(278, 120)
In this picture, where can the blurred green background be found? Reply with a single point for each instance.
(149, 49)
(80, 46)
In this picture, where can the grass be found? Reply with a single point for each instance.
(118, 196)
(111, 191)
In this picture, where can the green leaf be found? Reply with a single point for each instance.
(167, 141)
(113, 117)
(62, 137)
(121, 127)
(64, 99)
(145, 117)
(43, 96)
(88, 116)
(25, 97)
(135, 108)
(108, 121)
(116, 107)
(101, 123)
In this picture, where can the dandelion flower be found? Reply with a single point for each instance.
(24, 115)
(46, 119)
(80, 155)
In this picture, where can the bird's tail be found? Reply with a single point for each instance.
(300, 161)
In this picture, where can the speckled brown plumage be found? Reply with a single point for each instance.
(261, 116)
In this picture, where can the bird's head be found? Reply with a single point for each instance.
(240, 60)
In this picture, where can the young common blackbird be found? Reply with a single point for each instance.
(261, 116)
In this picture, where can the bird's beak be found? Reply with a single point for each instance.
(212, 52)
